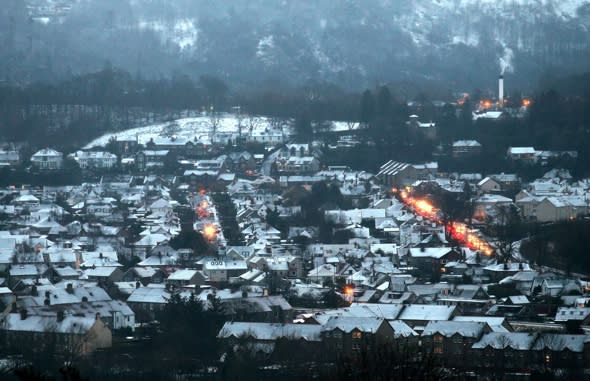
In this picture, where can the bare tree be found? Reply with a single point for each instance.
(507, 231)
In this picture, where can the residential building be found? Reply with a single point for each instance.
(47, 159)
(466, 148)
(61, 333)
(94, 159)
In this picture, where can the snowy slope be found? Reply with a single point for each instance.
(350, 42)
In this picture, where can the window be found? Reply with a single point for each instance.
(356, 347)
(438, 339)
(338, 334)
(357, 335)
(438, 350)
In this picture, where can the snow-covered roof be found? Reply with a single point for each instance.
(495, 323)
(348, 323)
(70, 324)
(157, 295)
(521, 150)
(46, 152)
(466, 143)
(401, 329)
(492, 199)
(427, 312)
(270, 331)
(183, 274)
(100, 272)
(449, 328)
(430, 252)
(503, 340)
(559, 342)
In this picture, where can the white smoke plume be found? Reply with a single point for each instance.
(506, 60)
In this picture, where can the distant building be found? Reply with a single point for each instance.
(126, 145)
(93, 159)
(428, 129)
(463, 148)
(394, 173)
(47, 159)
(524, 154)
(9, 158)
(61, 333)
(150, 159)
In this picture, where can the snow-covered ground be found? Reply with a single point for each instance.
(200, 129)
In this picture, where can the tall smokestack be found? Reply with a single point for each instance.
(501, 91)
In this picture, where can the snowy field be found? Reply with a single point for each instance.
(200, 128)
(197, 129)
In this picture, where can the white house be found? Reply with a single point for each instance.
(526, 154)
(91, 159)
(47, 159)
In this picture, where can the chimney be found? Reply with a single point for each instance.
(97, 316)
(501, 91)
(13, 309)
(60, 315)
(244, 294)
(69, 288)
(137, 284)
(23, 314)
(34, 291)
(47, 302)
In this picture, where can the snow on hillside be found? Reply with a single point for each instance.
(199, 129)
(196, 129)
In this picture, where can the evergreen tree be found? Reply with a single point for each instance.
(367, 108)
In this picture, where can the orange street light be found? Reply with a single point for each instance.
(210, 232)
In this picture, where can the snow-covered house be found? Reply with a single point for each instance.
(94, 159)
(47, 159)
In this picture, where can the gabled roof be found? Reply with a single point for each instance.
(46, 152)
(466, 143)
(449, 328)
(70, 324)
(502, 340)
(348, 324)
(100, 272)
(270, 331)
(430, 252)
(559, 342)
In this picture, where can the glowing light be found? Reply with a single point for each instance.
(210, 232)
(424, 206)
(485, 103)
(526, 102)
(458, 230)
(349, 293)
